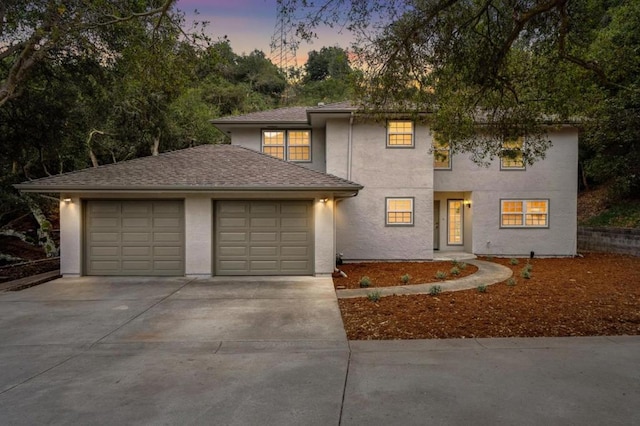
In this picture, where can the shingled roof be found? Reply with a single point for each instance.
(202, 168)
(289, 115)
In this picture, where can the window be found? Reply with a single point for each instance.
(291, 145)
(524, 213)
(399, 211)
(511, 157)
(400, 134)
(441, 156)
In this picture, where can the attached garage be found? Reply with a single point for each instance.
(264, 238)
(197, 212)
(134, 237)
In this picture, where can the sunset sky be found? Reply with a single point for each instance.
(250, 24)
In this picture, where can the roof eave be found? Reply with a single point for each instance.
(183, 189)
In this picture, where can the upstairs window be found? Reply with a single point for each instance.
(511, 157)
(290, 145)
(400, 134)
(441, 156)
(399, 211)
(524, 213)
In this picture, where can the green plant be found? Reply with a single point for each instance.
(482, 288)
(489, 257)
(462, 266)
(374, 296)
(511, 282)
(525, 273)
(528, 266)
(434, 290)
(454, 271)
(365, 282)
(514, 261)
(405, 278)
(441, 275)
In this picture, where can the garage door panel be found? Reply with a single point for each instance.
(104, 237)
(136, 237)
(271, 251)
(294, 265)
(295, 209)
(233, 222)
(143, 238)
(258, 237)
(264, 222)
(105, 222)
(294, 236)
(232, 237)
(277, 238)
(234, 265)
(295, 251)
(167, 237)
(138, 208)
(232, 251)
(260, 208)
(136, 251)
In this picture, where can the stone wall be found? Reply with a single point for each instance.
(612, 240)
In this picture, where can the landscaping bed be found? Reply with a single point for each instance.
(388, 274)
(594, 295)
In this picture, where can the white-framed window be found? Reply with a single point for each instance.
(399, 211)
(511, 157)
(524, 213)
(441, 156)
(400, 134)
(290, 145)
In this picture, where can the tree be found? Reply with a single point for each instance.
(512, 66)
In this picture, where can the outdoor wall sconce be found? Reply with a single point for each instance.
(324, 200)
(67, 200)
(467, 203)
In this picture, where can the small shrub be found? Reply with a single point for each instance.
(525, 273)
(374, 296)
(405, 278)
(482, 288)
(435, 290)
(441, 275)
(514, 261)
(454, 271)
(511, 282)
(462, 266)
(365, 282)
(489, 257)
(454, 262)
(528, 267)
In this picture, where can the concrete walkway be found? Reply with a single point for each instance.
(488, 273)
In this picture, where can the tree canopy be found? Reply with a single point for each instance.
(514, 66)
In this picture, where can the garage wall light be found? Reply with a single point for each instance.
(67, 200)
(324, 200)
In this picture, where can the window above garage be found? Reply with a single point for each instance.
(289, 145)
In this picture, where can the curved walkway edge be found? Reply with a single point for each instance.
(488, 273)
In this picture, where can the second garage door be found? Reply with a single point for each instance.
(264, 238)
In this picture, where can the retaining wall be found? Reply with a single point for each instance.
(612, 240)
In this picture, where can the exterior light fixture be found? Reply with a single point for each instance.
(67, 200)
(467, 203)
(324, 200)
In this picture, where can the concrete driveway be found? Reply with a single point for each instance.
(273, 351)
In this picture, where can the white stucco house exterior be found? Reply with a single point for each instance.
(299, 185)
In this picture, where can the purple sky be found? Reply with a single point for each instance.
(249, 24)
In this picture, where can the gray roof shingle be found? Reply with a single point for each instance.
(297, 114)
(202, 168)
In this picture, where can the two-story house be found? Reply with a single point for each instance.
(299, 185)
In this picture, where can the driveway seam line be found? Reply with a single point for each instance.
(140, 314)
(28, 379)
(344, 387)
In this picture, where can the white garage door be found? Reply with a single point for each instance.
(264, 238)
(134, 238)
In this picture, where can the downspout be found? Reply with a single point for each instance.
(349, 146)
